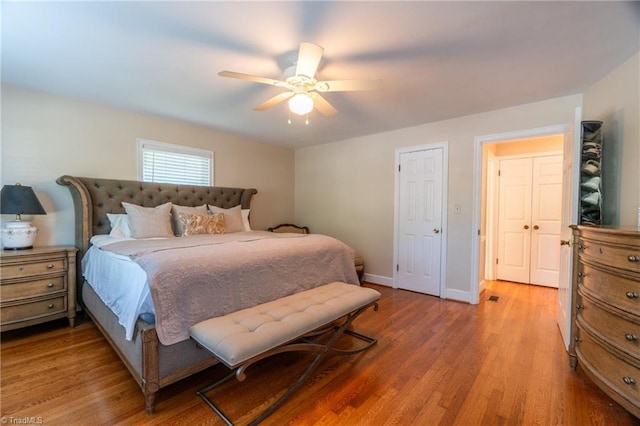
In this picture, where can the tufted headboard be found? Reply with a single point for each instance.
(94, 198)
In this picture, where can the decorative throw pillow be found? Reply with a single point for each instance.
(149, 222)
(232, 217)
(195, 224)
(178, 229)
(119, 225)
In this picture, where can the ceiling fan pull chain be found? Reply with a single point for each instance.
(307, 120)
(289, 120)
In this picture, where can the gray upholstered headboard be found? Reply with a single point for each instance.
(94, 198)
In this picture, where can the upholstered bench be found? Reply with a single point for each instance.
(244, 337)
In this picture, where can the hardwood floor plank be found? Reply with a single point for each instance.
(436, 362)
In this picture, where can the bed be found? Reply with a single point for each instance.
(154, 347)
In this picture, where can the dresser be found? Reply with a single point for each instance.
(37, 285)
(606, 311)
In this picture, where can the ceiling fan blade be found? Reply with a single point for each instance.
(309, 57)
(273, 101)
(348, 85)
(257, 79)
(321, 104)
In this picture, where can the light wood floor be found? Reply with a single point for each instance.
(436, 362)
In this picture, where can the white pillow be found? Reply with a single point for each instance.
(178, 225)
(245, 219)
(119, 225)
(232, 218)
(149, 222)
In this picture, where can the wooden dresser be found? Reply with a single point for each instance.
(606, 314)
(37, 285)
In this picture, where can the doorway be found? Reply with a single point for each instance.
(487, 148)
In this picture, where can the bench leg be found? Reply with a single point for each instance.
(321, 350)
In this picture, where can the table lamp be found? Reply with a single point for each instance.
(17, 199)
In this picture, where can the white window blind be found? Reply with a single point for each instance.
(169, 163)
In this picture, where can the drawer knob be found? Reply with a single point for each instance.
(631, 337)
(578, 307)
(50, 266)
(582, 274)
(633, 258)
(629, 380)
(50, 285)
(50, 305)
(632, 295)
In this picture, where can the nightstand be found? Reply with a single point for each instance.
(37, 285)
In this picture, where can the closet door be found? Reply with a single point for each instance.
(546, 215)
(514, 218)
(529, 214)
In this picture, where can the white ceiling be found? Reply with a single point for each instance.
(437, 60)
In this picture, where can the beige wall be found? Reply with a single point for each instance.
(346, 189)
(615, 101)
(45, 136)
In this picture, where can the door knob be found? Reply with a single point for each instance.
(436, 231)
(526, 227)
(536, 227)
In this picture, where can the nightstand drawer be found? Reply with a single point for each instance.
(32, 288)
(40, 308)
(31, 269)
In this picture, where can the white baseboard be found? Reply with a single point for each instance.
(378, 279)
(462, 296)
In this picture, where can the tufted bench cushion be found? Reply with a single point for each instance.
(242, 335)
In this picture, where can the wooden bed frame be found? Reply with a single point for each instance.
(152, 364)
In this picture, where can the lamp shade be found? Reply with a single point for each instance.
(18, 199)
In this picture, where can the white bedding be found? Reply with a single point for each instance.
(119, 282)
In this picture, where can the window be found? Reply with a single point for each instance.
(169, 163)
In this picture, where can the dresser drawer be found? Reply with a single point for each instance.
(36, 309)
(17, 290)
(618, 291)
(623, 257)
(618, 331)
(623, 378)
(26, 270)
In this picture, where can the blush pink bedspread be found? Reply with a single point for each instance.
(195, 278)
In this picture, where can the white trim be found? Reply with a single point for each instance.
(378, 279)
(396, 207)
(459, 295)
(478, 141)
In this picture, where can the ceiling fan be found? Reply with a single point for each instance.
(303, 89)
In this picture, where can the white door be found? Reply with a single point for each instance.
(420, 221)
(514, 218)
(529, 218)
(570, 182)
(546, 216)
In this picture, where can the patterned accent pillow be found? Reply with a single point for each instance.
(195, 224)
(175, 219)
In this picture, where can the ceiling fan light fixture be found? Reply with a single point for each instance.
(301, 104)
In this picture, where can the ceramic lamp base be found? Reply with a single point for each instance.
(18, 235)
